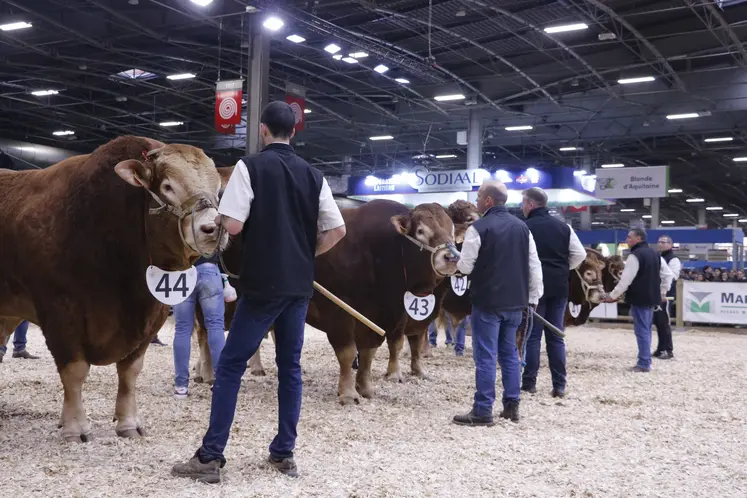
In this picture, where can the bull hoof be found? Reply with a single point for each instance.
(78, 438)
(349, 400)
(198, 379)
(259, 373)
(366, 392)
(426, 355)
(132, 433)
(420, 375)
(395, 377)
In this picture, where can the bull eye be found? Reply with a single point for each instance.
(167, 188)
(420, 231)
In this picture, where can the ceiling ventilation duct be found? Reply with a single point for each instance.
(24, 155)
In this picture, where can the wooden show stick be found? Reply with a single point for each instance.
(342, 304)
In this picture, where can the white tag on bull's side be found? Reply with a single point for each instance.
(575, 309)
(171, 287)
(419, 308)
(459, 284)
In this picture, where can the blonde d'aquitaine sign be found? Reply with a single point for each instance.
(628, 183)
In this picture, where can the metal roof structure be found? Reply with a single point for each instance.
(108, 61)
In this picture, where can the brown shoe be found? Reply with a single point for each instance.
(286, 465)
(25, 355)
(208, 473)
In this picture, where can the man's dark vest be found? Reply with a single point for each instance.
(500, 278)
(552, 238)
(645, 289)
(669, 256)
(280, 236)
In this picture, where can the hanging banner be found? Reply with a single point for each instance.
(226, 129)
(632, 183)
(715, 302)
(228, 105)
(298, 104)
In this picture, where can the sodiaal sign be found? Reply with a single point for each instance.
(715, 302)
(626, 183)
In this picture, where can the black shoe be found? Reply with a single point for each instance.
(286, 465)
(657, 354)
(511, 410)
(558, 393)
(530, 389)
(666, 355)
(25, 355)
(156, 340)
(194, 469)
(473, 420)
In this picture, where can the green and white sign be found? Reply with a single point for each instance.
(629, 183)
(715, 302)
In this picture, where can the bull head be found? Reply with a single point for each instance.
(429, 226)
(463, 214)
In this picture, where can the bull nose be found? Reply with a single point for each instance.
(208, 228)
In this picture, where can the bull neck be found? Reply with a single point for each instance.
(540, 211)
(496, 210)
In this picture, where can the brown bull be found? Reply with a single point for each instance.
(596, 274)
(75, 242)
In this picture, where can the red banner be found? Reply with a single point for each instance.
(228, 105)
(298, 104)
(577, 209)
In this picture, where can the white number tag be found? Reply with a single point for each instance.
(171, 287)
(419, 308)
(459, 284)
(575, 309)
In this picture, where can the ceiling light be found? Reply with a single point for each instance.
(307, 111)
(613, 165)
(697, 199)
(358, 55)
(63, 133)
(566, 27)
(567, 149)
(742, 221)
(446, 156)
(350, 60)
(337, 57)
(381, 69)
(402, 80)
(714, 208)
(332, 48)
(675, 190)
(172, 123)
(688, 115)
(381, 137)
(202, 3)
(273, 23)
(667, 222)
(44, 93)
(182, 76)
(519, 128)
(731, 215)
(646, 216)
(295, 38)
(627, 210)
(14, 26)
(642, 79)
(597, 223)
(740, 159)
(446, 98)
(719, 139)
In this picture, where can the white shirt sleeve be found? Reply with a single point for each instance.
(329, 213)
(238, 196)
(666, 276)
(576, 251)
(470, 249)
(536, 287)
(629, 273)
(676, 266)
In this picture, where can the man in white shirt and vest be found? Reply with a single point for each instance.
(286, 214)
(645, 282)
(506, 277)
(665, 348)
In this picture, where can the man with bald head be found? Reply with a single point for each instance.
(506, 276)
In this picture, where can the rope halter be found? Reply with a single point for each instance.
(433, 250)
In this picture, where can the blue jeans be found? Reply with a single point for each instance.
(643, 317)
(251, 322)
(494, 335)
(209, 292)
(19, 339)
(553, 310)
(460, 336)
(433, 332)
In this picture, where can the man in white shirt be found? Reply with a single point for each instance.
(645, 282)
(506, 276)
(285, 211)
(665, 347)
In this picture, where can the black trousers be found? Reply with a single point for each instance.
(663, 328)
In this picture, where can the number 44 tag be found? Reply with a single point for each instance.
(171, 287)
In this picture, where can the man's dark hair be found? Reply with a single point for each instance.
(667, 239)
(639, 232)
(536, 195)
(279, 119)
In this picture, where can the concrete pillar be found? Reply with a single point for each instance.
(655, 213)
(702, 216)
(474, 146)
(257, 82)
(586, 219)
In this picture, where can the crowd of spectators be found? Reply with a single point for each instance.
(709, 274)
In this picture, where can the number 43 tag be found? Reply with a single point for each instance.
(419, 308)
(171, 287)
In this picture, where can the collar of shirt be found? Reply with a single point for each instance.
(278, 146)
(496, 210)
(540, 211)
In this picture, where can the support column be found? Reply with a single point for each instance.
(654, 213)
(702, 217)
(474, 146)
(257, 82)
(586, 219)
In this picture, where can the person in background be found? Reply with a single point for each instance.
(209, 292)
(645, 281)
(665, 347)
(277, 198)
(433, 332)
(500, 254)
(460, 334)
(559, 251)
(19, 344)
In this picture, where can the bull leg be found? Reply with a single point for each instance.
(416, 341)
(75, 426)
(125, 411)
(363, 377)
(255, 365)
(425, 346)
(393, 372)
(346, 393)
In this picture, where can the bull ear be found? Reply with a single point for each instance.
(401, 223)
(135, 173)
(154, 152)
